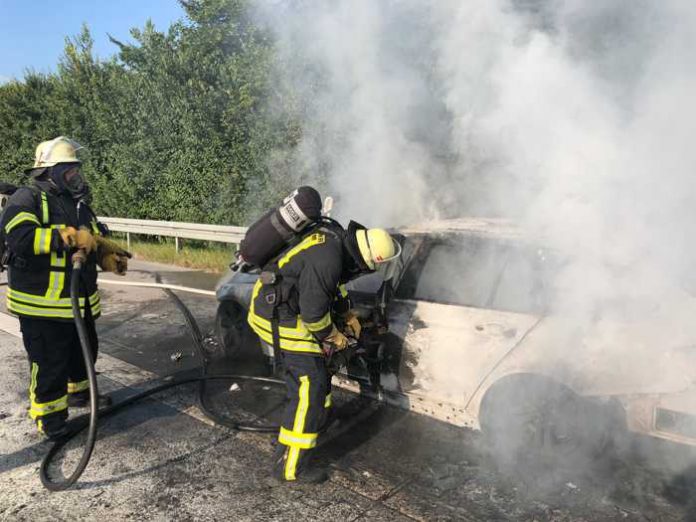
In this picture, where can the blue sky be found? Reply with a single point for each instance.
(32, 32)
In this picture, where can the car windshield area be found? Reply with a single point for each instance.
(479, 272)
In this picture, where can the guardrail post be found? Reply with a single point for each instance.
(128, 241)
(176, 244)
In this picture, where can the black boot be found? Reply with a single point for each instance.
(52, 427)
(81, 400)
(305, 472)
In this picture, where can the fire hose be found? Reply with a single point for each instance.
(91, 421)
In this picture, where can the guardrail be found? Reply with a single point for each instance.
(177, 230)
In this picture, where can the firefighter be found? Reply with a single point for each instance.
(43, 225)
(291, 309)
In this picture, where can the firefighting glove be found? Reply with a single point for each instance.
(335, 340)
(353, 326)
(81, 239)
(113, 262)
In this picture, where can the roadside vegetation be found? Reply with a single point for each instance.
(203, 255)
(180, 125)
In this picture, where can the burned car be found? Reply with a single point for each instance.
(466, 336)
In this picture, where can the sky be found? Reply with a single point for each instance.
(32, 33)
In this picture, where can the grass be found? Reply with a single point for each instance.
(213, 257)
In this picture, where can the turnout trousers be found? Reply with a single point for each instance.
(309, 399)
(57, 366)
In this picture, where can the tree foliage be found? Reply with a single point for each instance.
(178, 125)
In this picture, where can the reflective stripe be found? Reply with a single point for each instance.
(300, 440)
(38, 312)
(75, 387)
(25, 304)
(44, 209)
(320, 324)
(63, 302)
(297, 339)
(59, 259)
(291, 463)
(327, 401)
(289, 345)
(343, 291)
(42, 241)
(297, 430)
(308, 242)
(21, 218)
(39, 409)
(56, 283)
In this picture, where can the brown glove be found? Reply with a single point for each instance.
(113, 262)
(353, 326)
(81, 239)
(336, 340)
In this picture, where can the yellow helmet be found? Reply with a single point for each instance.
(58, 150)
(376, 246)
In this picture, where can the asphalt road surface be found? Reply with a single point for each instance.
(163, 460)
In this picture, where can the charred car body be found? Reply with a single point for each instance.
(471, 342)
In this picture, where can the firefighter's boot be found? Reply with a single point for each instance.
(293, 465)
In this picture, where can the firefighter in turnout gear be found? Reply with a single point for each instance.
(43, 225)
(292, 308)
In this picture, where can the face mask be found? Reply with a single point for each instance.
(69, 180)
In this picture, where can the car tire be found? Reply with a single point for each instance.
(230, 326)
(534, 423)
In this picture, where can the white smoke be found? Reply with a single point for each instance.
(573, 118)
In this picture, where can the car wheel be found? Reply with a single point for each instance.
(230, 324)
(531, 420)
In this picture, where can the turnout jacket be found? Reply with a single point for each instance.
(39, 270)
(308, 276)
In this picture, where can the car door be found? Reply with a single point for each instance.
(462, 304)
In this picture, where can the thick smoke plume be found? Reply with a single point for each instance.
(573, 118)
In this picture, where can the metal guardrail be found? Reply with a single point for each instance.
(177, 230)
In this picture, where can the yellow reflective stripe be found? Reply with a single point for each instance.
(320, 324)
(302, 406)
(59, 259)
(300, 440)
(75, 387)
(32, 381)
(343, 290)
(39, 409)
(290, 346)
(64, 302)
(292, 334)
(44, 209)
(21, 218)
(38, 312)
(308, 242)
(327, 401)
(42, 241)
(291, 463)
(56, 283)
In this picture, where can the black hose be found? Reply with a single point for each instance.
(91, 376)
(95, 414)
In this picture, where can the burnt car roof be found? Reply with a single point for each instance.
(468, 226)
